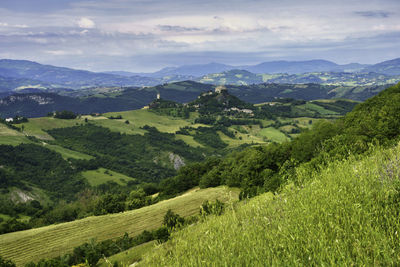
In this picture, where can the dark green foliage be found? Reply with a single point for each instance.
(173, 220)
(67, 115)
(118, 117)
(132, 155)
(6, 263)
(162, 234)
(109, 204)
(212, 103)
(310, 142)
(187, 178)
(378, 117)
(340, 106)
(40, 166)
(209, 137)
(13, 225)
(214, 208)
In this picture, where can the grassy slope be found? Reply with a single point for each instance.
(129, 256)
(54, 240)
(273, 134)
(345, 216)
(11, 137)
(101, 176)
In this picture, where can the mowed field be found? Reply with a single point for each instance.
(102, 176)
(55, 240)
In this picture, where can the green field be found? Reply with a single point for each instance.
(129, 256)
(102, 176)
(37, 126)
(11, 137)
(67, 153)
(55, 240)
(142, 117)
(13, 140)
(343, 215)
(274, 135)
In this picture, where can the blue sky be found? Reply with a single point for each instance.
(146, 35)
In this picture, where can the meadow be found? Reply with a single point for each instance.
(58, 239)
(346, 215)
(102, 176)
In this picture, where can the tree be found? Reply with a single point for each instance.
(172, 220)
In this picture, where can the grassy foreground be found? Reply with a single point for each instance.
(346, 215)
(55, 240)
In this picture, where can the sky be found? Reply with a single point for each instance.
(147, 35)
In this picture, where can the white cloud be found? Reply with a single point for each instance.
(22, 26)
(86, 23)
(64, 52)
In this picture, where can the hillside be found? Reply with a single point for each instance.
(55, 240)
(335, 201)
(389, 67)
(347, 214)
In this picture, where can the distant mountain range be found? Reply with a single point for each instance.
(290, 67)
(243, 77)
(17, 75)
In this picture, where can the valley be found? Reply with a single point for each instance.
(199, 133)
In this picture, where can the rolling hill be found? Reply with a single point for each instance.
(64, 77)
(56, 240)
(100, 100)
(389, 67)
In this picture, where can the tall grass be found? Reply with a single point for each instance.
(348, 214)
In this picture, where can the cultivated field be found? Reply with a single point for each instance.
(55, 240)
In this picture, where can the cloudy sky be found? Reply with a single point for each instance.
(146, 35)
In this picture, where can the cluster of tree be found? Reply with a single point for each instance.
(170, 108)
(65, 114)
(209, 137)
(132, 155)
(216, 103)
(117, 117)
(225, 121)
(37, 165)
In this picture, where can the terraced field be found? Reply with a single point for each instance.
(55, 240)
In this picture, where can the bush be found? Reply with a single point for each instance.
(65, 114)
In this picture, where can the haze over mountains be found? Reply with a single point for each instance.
(19, 74)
